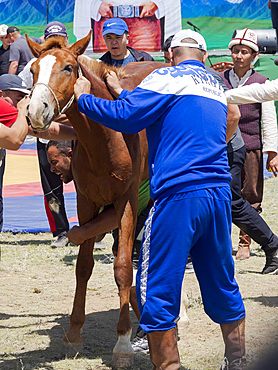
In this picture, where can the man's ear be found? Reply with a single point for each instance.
(171, 56)
(1, 94)
(127, 38)
(205, 56)
(254, 56)
(70, 154)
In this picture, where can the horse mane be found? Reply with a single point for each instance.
(54, 42)
(101, 69)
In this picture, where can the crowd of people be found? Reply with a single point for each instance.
(203, 190)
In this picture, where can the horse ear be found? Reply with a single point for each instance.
(34, 47)
(80, 46)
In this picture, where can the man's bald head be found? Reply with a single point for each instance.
(188, 52)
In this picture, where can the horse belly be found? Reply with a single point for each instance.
(100, 190)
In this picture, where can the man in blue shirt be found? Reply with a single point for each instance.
(184, 112)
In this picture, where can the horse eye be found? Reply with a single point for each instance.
(68, 68)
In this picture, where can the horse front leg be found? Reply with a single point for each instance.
(84, 268)
(123, 353)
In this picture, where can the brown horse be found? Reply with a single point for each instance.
(108, 166)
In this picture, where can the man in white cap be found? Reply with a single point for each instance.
(244, 49)
(4, 50)
(184, 112)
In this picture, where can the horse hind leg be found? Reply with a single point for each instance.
(123, 352)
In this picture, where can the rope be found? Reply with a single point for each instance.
(69, 103)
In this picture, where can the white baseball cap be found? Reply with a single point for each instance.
(183, 34)
(245, 37)
(3, 30)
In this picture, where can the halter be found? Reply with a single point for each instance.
(69, 103)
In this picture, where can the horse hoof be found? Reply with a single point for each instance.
(72, 349)
(122, 361)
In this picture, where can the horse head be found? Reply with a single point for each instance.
(54, 73)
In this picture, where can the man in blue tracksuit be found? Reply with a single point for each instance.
(184, 112)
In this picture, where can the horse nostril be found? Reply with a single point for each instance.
(45, 105)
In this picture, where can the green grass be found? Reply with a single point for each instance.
(218, 31)
(38, 31)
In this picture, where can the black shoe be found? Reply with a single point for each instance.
(271, 265)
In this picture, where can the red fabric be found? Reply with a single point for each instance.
(50, 217)
(144, 34)
(8, 113)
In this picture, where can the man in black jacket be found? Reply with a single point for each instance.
(115, 34)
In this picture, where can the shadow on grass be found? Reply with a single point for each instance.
(26, 242)
(69, 259)
(99, 339)
(264, 300)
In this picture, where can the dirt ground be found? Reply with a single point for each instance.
(37, 287)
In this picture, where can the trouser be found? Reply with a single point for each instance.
(252, 179)
(243, 214)
(2, 169)
(198, 222)
(53, 194)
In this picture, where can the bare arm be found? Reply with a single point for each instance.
(14, 136)
(13, 67)
(104, 222)
(64, 120)
(232, 121)
(57, 131)
(272, 162)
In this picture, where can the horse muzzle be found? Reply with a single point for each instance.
(40, 115)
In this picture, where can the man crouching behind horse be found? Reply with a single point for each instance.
(184, 111)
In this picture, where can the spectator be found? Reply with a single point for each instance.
(52, 29)
(13, 123)
(244, 48)
(166, 47)
(20, 53)
(115, 34)
(4, 50)
(243, 214)
(188, 183)
(51, 183)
